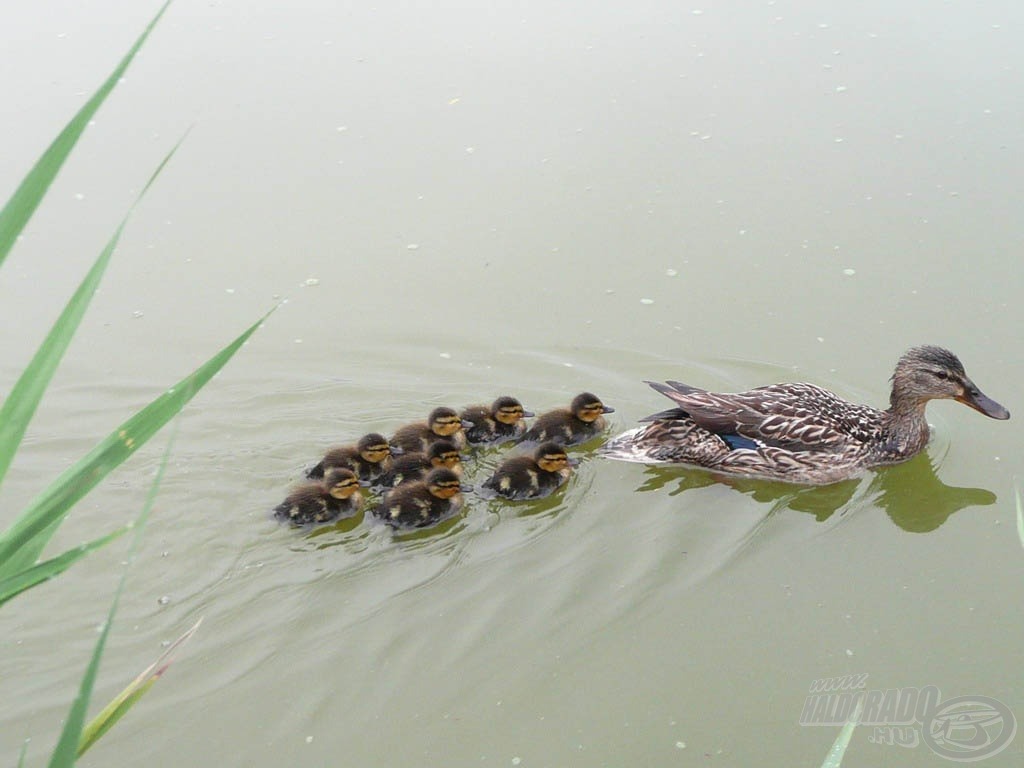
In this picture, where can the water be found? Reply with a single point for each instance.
(461, 202)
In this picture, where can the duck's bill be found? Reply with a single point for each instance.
(607, 409)
(528, 414)
(982, 403)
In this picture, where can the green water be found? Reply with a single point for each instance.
(465, 201)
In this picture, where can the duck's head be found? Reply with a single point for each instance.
(508, 410)
(341, 483)
(588, 407)
(443, 483)
(445, 454)
(374, 448)
(551, 457)
(445, 422)
(933, 373)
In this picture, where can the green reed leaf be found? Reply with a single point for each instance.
(834, 758)
(30, 192)
(22, 543)
(127, 698)
(24, 397)
(17, 583)
(66, 752)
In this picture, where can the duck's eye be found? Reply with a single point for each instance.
(940, 375)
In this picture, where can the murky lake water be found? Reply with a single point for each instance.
(463, 201)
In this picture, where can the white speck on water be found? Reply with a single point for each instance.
(567, 365)
(137, 314)
(680, 745)
(840, 89)
(229, 290)
(79, 196)
(165, 553)
(342, 128)
(838, 139)
(310, 281)
(849, 272)
(646, 301)
(446, 355)
(849, 652)
(821, 339)
(671, 272)
(298, 341)
(697, 12)
(412, 246)
(164, 600)
(470, 150)
(516, 761)
(609, 291)
(309, 739)
(743, 232)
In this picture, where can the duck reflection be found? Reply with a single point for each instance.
(911, 493)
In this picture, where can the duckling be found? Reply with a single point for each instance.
(337, 495)
(578, 423)
(369, 458)
(414, 466)
(531, 477)
(501, 420)
(423, 502)
(441, 424)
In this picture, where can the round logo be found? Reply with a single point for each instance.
(969, 728)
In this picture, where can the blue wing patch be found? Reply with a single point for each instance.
(736, 442)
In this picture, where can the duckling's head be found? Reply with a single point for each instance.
(445, 422)
(443, 483)
(551, 457)
(373, 448)
(588, 407)
(933, 373)
(444, 454)
(508, 410)
(341, 483)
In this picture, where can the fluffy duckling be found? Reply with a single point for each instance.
(336, 495)
(423, 502)
(501, 420)
(441, 424)
(369, 458)
(581, 421)
(531, 477)
(414, 466)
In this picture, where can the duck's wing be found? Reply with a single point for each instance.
(797, 417)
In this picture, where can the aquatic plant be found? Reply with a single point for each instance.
(23, 542)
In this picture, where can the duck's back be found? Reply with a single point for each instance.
(797, 417)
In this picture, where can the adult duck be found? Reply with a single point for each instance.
(801, 433)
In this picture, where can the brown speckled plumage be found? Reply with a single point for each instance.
(801, 433)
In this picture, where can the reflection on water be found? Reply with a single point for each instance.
(917, 500)
(911, 493)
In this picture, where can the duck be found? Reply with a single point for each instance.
(336, 495)
(581, 421)
(501, 420)
(442, 424)
(531, 477)
(423, 502)
(801, 433)
(369, 458)
(414, 466)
